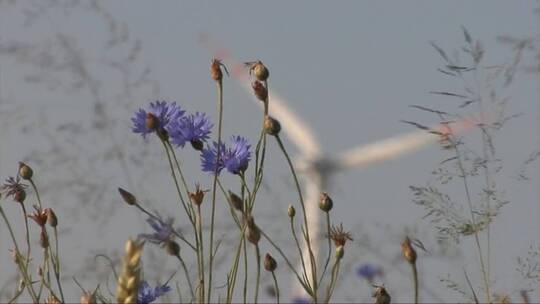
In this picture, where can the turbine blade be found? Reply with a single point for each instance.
(393, 147)
(296, 129)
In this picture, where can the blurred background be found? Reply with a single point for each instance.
(72, 73)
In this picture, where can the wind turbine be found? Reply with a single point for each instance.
(318, 168)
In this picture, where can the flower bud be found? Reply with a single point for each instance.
(269, 263)
(51, 217)
(260, 71)
(271, 126)
(253, 234)
(40, 271)
(162, 134)
(340, 251)
(326, 203)
(44, 239)
(197, 145)
(408, 251)
(291, 211)
(381, 295)
(25, 171)
(260, 90)
(19, 196)
(215, 70)
(88, 298)
(236, 201)
(172, 248)
(128, 197)
(152, 122)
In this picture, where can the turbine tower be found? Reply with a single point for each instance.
(317, 167)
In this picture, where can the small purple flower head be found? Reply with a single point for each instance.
(164, 112)
(301, 300)
(148, 294)
(194, 128)
(368, 271)
(163, 230)
(235, 158)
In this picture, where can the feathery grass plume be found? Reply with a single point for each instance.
(128, 281)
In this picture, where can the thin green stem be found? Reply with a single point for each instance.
(329, 247)
(37, 193)
(214, 185)
(184, 183)
(293, 231)
(276, 286)
(308, 239)
(56, 265)
(25, 215)
(245, 270)
(332, 285)
(415, 281)
(200, 254)
(257, 282)
(186, 273)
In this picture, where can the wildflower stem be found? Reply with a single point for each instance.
(234, 270)
(176, 183)
(307, 287)
(25, 215)
(214, 185)
(22, 268)
(308, 240)
(415, 282)
(329, 247)
(257, 283)
(276, 286)
(332, 285)
(190, 207)
(56, 264)
(245, 269)
(473, 219)
(299, 248)
(37, 192)
(200, 256)
(186, 273)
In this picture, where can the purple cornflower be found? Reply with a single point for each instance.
(234, 158)
(163, 230)
(194, 128)
(368, 271)
(301, 300)
(148, 294)
(164, 112)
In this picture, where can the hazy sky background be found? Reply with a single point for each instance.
(349, 68)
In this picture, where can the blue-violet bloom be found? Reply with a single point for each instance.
(148, 294)
(234, 158)
(163, 111)
(194, 128)
(163, 230)
(368, 271)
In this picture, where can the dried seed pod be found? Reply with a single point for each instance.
(340, 252)
(44, 239)
(236, 201)
(52, 220)
(88, 298)
(197, 197)
(253, 233)
(259, 70)
(25, 171)
(381, 295)
(260, 90)
(291, 211)
(270, 263)
(19, 196)
(129, 198)
(326, 203)
(271, 126)
(172, 248)
(408, 251)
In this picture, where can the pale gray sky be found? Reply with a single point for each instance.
(349, 68)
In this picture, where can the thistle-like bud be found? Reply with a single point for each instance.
(408, 251)
(381, 295)
(326, 203)
(291, 211)
(162, 134)
(340, 252)
(253, 233)
(270, 263)
(259, 70)
(52, 220)
(44, 239)
(172, 248)
(236, 201)
(127, 197)
(260, 90)
(271, 126)
(215, 70)
(40, 271)
(197, 145)
(19, 196)
(25, 171)
(152, 122)
(197, 197)
(52, 300)
(88, 298)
